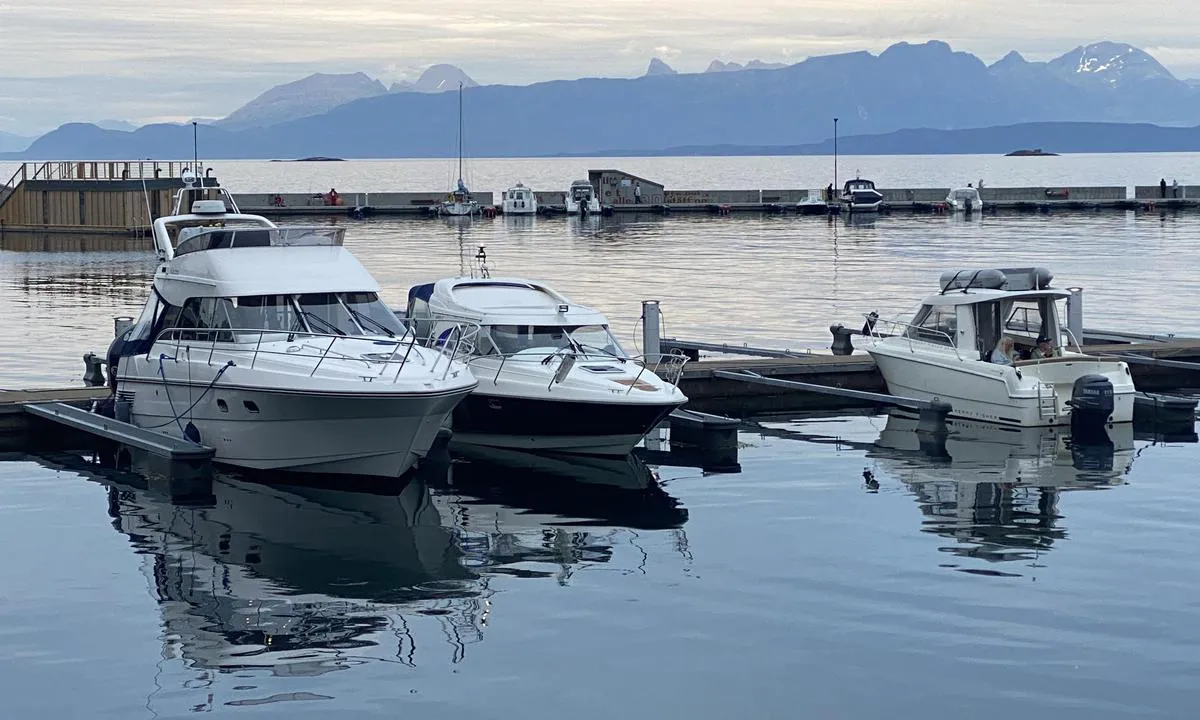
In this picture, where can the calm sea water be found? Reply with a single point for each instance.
(846, 572)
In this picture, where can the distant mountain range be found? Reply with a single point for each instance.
(321, 92)
(658, 66)
(10, 143)
(926, 85)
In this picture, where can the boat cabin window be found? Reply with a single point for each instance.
(199, 316)
(352, 313)
(592, 339)
(1026, 318)
(268, 312)
(934, 324)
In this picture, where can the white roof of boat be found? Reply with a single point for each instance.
(505, 301)
(238, 272)
(979, 295)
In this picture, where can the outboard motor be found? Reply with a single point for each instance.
(1091, 407)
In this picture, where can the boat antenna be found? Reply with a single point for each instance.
(196, 149)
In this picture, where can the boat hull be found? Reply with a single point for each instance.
(992, 393)
(459, 209)
(862, 202)
(591, 428)
(265, 429)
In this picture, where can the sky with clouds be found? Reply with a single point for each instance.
(148, 60)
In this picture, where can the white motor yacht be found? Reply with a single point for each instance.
(990, 344)
(964, 200)
(551, 374)
(859, 195)
(519, 200)
(581, 199)
(271, 345)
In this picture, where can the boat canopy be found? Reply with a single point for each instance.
(263, 270)
(501, 301)
(859, 184)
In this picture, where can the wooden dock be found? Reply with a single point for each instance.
(711, 394)
(92, 199)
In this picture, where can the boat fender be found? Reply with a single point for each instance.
(191, 433)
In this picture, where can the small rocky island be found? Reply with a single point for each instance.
(1037, 152)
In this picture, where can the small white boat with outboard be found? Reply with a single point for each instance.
(551, 374)
(271, 345)
(990, 343)
(581, 199)
(813, 203)
(964, 200)
(519, 200)
(859, 195)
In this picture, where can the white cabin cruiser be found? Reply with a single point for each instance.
(581, 199)
(991, 345)
(859, 195)
(519, 200)
(964, 200)
(551, 374)
(271, 345)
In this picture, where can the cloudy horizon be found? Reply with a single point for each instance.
(132, 61)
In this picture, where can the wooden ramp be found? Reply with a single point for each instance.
(123, 433)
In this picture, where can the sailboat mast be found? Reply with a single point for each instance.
(460, 132)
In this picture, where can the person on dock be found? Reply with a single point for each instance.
(1002, 354)
(1162, 188)
(333, 198)
(637, 193)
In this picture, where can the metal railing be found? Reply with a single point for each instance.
(905, 330)
(391, 352)
(107, 169)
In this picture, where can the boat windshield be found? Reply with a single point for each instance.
(590, 339)
(350, 313)
(216, 235)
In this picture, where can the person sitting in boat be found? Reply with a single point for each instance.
(1043, 349)
(1002, 354)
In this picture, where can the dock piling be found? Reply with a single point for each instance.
(651, 322)
(121, 323)
(1075, 315)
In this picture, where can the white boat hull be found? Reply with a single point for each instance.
(591, 207)
(266, 429)
(459, 209)
(994, 393)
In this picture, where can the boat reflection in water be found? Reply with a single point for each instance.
(301, 580)
(996, 490)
